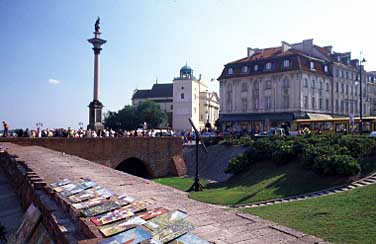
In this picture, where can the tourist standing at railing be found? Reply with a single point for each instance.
(6, 127)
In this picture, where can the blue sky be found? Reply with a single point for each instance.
(47, 40)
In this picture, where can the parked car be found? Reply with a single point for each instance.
(272, 132)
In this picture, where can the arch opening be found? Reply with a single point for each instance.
(134, 166)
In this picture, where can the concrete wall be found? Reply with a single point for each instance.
(156, 153)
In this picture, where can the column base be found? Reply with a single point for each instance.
(95, 115)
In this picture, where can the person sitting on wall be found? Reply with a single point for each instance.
(6, 127)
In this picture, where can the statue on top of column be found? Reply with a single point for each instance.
(97, 27)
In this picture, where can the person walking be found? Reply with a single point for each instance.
(6, 128)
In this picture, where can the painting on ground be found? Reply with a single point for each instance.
(115, 228)
(189, 238)
(132, 236)
(28, 224)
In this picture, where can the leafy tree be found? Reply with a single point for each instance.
(133, 117)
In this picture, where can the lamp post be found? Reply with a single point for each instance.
(80, 124)
(361, 96)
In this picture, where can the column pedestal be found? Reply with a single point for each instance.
(95, 115)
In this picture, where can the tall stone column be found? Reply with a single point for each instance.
(95, 107)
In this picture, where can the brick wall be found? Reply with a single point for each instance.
(156, 153)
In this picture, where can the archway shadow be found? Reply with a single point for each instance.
(136, 167)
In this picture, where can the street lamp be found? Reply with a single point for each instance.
(361, 96)
(80, 124)
(39, 124)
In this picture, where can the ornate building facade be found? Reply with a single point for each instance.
(276, 85)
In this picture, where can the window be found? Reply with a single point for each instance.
(182, 96)
(230, 71)
(320, 85)
(256, 85)
(327, 104)
(172, 107)
(311, 65)
(285, 83)
(337, 87)
(313, 102)
(305, 82)
(305, 102)
(244, 104)
(356, 91)
(337, 105)
(337, 72)
(286, 63)
(342, 88)
(313, 84)
(244, 87)
(257, 103)
(245, 69)
(342, 107)
(347, 89)
(327, 86)
(347, 74)
(326, 68)
(268, 85)
(268, 103)
(268, 66)
(285, 101)
(320, 103)
(229, 98)
(255, 67)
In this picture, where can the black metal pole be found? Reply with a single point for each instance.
(361, 101)
(196, 184)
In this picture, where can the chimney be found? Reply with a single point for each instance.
(199, 77)
(285, 46)
(308, 46)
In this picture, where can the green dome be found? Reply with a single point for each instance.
(185, 68)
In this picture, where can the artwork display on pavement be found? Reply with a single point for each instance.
(171, 230)
(126, 199)
(109, 217)
(90, 203)
(85, 184)
(189, 238)
(153, 213)
(66, 187)
(132, 236)
(60, 183)
(100, 208)
(28, 224)
(151, 241)
(165, 219)
(40, 236)
(90, 194)
(112, 229)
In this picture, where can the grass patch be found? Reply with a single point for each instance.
(348, 217)
(263, 181)
(179, 183)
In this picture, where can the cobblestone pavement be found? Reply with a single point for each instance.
(213, 223)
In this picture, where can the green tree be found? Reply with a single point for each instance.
(150, 112)
(131, 117)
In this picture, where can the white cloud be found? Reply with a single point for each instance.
(54, 82)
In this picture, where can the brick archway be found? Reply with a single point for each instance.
(135, 166)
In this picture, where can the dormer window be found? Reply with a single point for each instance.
(286, 63)
(230, 71)
(245, 69)
(255, 67)
(268, 66)
(311, 65)
(326, 68)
